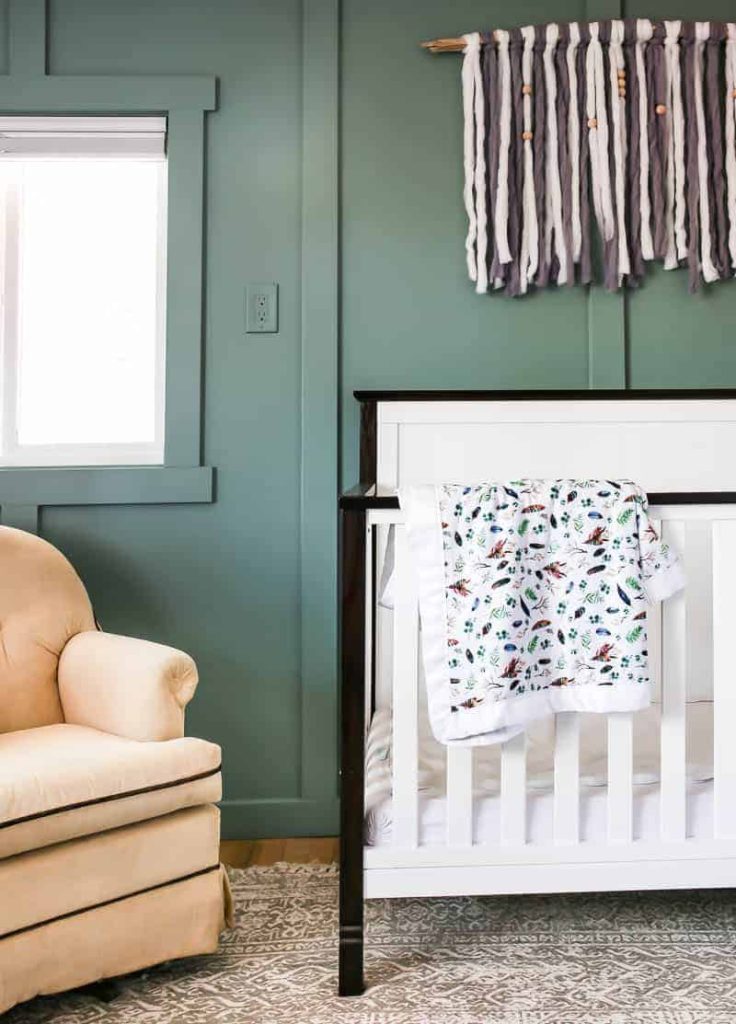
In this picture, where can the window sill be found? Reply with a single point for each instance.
(107, 485)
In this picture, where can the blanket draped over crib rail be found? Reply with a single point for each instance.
(628, 124)
(533, 599)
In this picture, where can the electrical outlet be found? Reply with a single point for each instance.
(262, 308)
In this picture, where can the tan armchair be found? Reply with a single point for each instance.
(109, 836)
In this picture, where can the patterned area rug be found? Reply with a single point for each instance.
(638, 958)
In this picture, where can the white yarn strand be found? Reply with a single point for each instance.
(573, 139)
(552, 154)
(671, 57)
(702, 31)
(472, 47)
(598, 136)
(502, 186)
(480, 179)
(730, 107)
(643, 36)
(618, 115)
(529, 261)
(678, 137)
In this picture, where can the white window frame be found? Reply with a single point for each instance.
(107, 140)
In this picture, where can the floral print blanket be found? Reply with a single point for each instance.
(533, 599)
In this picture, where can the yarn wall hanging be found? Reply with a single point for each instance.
(624, 128)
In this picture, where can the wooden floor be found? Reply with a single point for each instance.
(242, 853)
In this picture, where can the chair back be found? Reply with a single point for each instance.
(43, 604)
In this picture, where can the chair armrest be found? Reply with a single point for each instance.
(128, 687)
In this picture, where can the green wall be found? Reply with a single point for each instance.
(410, 317)
(220, 580)
(225, 581)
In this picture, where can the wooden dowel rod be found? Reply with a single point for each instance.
(457, 45)
(444, 45)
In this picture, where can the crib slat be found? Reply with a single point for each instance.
(699, 604)
(459, 796)
(513, 791)
(654, 647)
(370, 608)
(673, 754)
(384, 627)
(567, 778)
(654, 640)
(405, 741)
(620, 748)
(724, 683)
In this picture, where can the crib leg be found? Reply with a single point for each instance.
(352, 740)
(351, 960)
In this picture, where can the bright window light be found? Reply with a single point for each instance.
(83, 272)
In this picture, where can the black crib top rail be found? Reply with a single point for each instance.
(365, 498)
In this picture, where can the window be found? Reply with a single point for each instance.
(82, 288)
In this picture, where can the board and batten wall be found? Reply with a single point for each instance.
(409, 315)
(247, 583)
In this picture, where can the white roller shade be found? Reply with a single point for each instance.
(53, 137)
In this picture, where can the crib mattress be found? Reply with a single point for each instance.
(540, 753)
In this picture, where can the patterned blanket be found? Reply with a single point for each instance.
(533, 598)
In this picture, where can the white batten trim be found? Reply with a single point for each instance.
(472, 51)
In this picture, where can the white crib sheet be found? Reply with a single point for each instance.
(540, 751)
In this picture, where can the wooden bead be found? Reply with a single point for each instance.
(526, 89)
(660, 109)
(527, 136)
(592, 122)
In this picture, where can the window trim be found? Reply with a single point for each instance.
(185, 100)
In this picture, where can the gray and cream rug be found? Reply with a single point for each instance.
(638, 958)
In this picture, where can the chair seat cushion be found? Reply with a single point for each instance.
(62, 781)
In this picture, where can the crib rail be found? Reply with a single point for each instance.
(690, 636)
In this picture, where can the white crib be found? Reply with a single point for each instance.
(679, 446)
